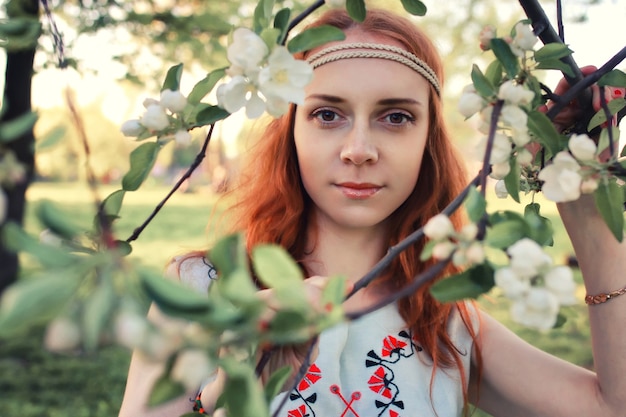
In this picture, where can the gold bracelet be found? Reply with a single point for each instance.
(603, 298)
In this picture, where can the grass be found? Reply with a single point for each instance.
(34, 382)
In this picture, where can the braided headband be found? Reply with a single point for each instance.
(375, 50)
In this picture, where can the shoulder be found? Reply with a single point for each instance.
(193, 270)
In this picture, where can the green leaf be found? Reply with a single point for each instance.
(50, 139)
(36, 299)
(603, 142)
(275, 267)
(98, 308)
(512, 180)
(468, 284)
(614, 106)
(281, 22)
(356, 9)
(415, 7)
(204, 86)
(494, 73)
(210, 115)
(142, 160)
(164, 390)
(554, 50)
(314, 37)
(475, 205)
(242, 383)
(276, 382)
(609, 198)
(614, 78)
(262, 14)
(541, 230)
(238, 288)
(555, 64)
(123, 248)
(172, 79)
(60, 223)
(507, 227)
(481, 83)
(16, 239)
(335, 291)
(14, 129)
(270, 36)
(507, 58)
(172, 297)
(427, 252)
(228, 254)
(112, 204)
(544, 131)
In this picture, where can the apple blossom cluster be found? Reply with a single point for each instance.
(261, 80)
(536, 287)
(163, 118)
(445, 242)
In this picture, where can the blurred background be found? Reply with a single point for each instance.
(117, 54)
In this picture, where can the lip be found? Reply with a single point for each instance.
(358, 191)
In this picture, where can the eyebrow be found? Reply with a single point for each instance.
(384, 102)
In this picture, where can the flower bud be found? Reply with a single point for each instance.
(524, 38)
(515, 93)
(475, 253)
(485, 36)
(588, 186)
(524, 157)
(439, 227)
(582, 147)
(191, 368)
(469, 232)
(443, 249)
(174, 101)
(155, 118)
(62, 335)
(501, 191)
(182, 137)
(501, 170)
(132, 128)
(470, 102)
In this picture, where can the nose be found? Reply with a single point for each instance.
(359, 147)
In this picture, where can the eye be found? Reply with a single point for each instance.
(325, 117)
(398, 118)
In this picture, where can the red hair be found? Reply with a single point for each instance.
(273, 207)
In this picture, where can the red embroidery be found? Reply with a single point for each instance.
(311, 377)
(391, 345)
(356, 395)
(298, 412)
(379, 384)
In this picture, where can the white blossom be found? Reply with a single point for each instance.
(524, 38)
(470, 102)
(475, 253)
(514, 117)
(500, 149)
(155, 118)
(469, 232)
(246, 52)
(283, 80)
(524, 157)
(538, 309)
(130, 329)
(520, 137)
(174, 101)
(240, 92)
(132, 128)
(501, 191)
(511, 284)
(62, 335)
(500, 170)
(582, 147)
(485, 36)
(443, 249)
(515, 93)
(560, 281)
(485, 120)
(562, 179)
(589, 185)
(150, 102)
(191, 368)
(527, 258)
(182, 137)
(439, 227)
(4, 205)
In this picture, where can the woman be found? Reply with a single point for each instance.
(361, 164)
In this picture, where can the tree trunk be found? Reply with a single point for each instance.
(17, 102)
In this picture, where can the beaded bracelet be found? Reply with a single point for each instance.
(197, 405)
(603, 298)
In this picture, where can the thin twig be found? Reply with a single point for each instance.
(182, 179)
(493, 125)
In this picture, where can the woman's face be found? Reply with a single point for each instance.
(360, 137)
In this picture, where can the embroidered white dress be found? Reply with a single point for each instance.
(368, 367)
